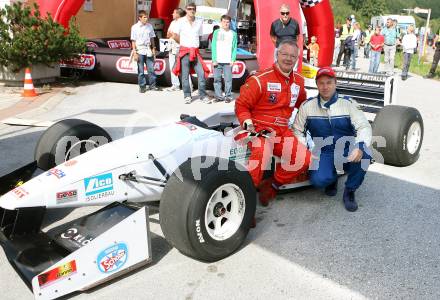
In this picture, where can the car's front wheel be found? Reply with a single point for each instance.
(206, 212)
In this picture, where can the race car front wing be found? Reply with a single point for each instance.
(79, 254)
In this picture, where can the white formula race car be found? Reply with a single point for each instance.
(196, 170)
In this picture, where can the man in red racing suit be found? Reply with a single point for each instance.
(266, 102)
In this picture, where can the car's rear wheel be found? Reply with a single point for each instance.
(402, 129)
(207, 217)
(67, 139)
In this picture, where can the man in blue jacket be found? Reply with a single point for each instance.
(341, 135)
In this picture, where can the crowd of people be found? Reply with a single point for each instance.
(349, 38)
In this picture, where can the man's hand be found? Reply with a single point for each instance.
(355, 155)
(248, 125)
(214, 64)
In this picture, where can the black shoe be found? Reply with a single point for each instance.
(332, 189)
(142, 89)
(404, 77)
(349, 200)
(228, 100)
(216, 99)
(154, 88)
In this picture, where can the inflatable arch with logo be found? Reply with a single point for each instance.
(318, 14)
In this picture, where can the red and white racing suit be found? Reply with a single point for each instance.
(268, 98)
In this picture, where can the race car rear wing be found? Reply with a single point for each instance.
(371, 91)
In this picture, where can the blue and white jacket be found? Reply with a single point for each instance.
(338, 117)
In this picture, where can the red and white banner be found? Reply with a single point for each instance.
(238, 69)
(123, 65)
(119, 44)
(83, 62)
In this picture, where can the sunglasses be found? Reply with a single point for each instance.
(191, 8)
(285, 13)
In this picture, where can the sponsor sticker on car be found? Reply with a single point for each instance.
(100, 186)
(124, 65)
(70, 163)
(67, 196)
(78, 238)
(239, 153)
(83, 62)
(63, 271)
(112, 258)
(56, 172)
(19, 192)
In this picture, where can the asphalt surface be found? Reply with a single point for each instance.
(305, 245)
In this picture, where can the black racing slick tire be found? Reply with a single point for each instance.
(208, 212)
(402, 130)
(67, 139)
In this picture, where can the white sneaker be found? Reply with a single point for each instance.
(188, 100)
(206, 100)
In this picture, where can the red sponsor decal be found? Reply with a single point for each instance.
(60, 272)
(20, 192)
(92, 45)
(67, 196)
(238, 69)
(109, 262)
(70, 163)
(123, 65)
(83, 62)
(119, 44)
(56, 172)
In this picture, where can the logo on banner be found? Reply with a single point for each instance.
(98, 184)
(112, 258)
(92, 45)
(119, 44)
(83, 62)
(58, 273)
(238, 69)
(123, 65)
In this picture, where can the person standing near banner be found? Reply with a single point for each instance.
(177, 14)
(142, 41)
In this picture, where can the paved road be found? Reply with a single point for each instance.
(305, 246)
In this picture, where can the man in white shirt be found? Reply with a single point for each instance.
(187, 32)
(142, 41)
(177, 14)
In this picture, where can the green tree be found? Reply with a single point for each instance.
(372, 8)
(27, 39)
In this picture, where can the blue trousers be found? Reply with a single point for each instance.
(326, 174)
(149, 61)
(226, 69)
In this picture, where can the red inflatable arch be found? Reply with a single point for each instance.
(318, 14)
(63, 10)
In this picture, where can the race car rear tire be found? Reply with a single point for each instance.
(402, 128)
(207, 217)
(66, 139)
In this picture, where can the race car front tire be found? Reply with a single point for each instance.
(401, 128)
(206, 212)
(66, 139)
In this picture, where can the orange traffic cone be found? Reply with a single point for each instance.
(29, 90)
